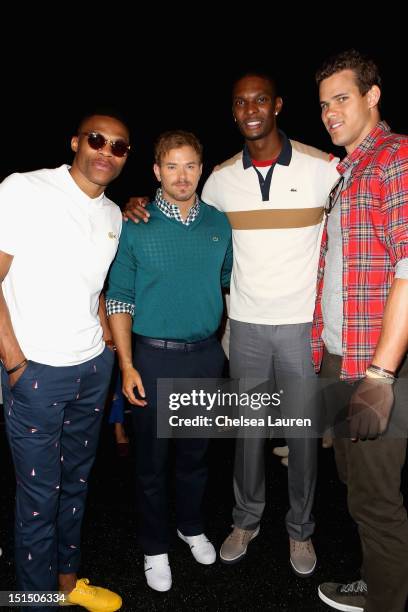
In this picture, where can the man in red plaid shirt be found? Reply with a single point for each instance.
(360, 327)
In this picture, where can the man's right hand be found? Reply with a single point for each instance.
(131, 379)
(13, 378)
(135, 209)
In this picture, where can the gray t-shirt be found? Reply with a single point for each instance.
(332, 298)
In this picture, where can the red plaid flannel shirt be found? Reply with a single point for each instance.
(374, 223)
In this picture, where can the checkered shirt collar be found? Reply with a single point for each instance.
(173, 212)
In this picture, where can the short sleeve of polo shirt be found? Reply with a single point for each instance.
(13, 201)
(209, 194)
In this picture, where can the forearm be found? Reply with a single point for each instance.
(10, 351)
(103, 317)
(393, 342)
(121, 326)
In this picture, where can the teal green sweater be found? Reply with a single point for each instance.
(173, 274)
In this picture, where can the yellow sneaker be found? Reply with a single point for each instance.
(94, 599)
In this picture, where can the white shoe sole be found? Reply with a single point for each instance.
(338, 606)
(242, 555)
(303, 574)
(160, 589)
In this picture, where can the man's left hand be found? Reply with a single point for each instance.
(135, 209)
(370, 409)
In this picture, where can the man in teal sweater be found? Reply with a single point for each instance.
(165, 299)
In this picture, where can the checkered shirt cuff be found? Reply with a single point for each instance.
(115, 307)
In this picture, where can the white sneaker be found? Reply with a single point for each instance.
(202, 549)
(158, 572)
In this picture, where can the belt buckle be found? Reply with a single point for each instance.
(174, 345)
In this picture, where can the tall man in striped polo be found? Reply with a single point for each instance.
(273, 193)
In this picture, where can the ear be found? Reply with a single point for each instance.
(201, 169)
(156, 170)
(373, 96)
(74, 144)
(278, 105)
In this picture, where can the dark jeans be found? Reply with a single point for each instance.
(372, 472)
(152, 453)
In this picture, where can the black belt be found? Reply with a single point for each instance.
(174, 345)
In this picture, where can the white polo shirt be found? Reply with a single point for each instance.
(276, 222)
(62, 243)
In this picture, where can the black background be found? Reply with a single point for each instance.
(162, 73)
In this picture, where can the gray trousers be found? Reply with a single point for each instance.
(273, 352)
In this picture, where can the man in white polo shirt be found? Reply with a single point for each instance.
(58, 236)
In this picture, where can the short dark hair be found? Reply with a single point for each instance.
(364, 68)
(105, 112)
(175, 139)
(261, 74)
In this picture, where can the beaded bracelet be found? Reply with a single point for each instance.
(388, 378)
(381, 370)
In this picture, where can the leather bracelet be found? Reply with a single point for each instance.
(17, 367)
(382, 370)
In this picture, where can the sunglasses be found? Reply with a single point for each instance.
(97, 141)
(334, 196)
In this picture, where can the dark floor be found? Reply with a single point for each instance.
(263, 581)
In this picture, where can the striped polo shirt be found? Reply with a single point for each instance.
(276, 221)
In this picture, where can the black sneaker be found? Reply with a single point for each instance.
(346, 597)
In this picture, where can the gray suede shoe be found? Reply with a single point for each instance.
(235, 545)
(302, 557)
